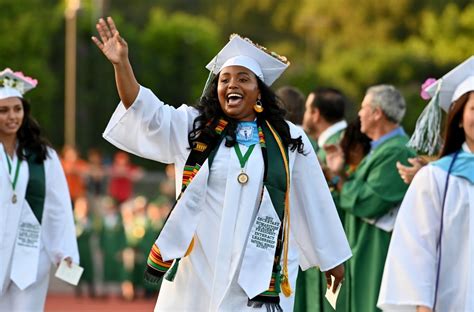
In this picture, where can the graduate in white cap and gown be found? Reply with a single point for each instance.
(430, 261)
(36, 222)
(252, 204)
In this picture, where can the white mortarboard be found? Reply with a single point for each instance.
(15, 84)
(454, 84)
(460, 80)
(268, 66)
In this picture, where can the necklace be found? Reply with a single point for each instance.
(15, 179)
(243, 178)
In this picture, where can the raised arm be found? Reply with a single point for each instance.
(115, 48)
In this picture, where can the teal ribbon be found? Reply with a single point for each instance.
(463, 166)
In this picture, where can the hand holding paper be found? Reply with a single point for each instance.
(70, 273)
(332, 296)
(334, 278)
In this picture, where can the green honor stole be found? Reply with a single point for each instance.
(36, 189)
(275, 180)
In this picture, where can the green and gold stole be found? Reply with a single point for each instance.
(276, 180)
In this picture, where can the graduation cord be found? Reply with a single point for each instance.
(438, 269)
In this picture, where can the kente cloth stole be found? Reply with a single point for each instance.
(276, 180)
(36, 189)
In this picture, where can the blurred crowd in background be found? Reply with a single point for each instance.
(115, 224)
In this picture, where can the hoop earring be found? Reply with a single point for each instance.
(258, 107)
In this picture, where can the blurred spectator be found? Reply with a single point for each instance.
(168, 186)
(96, 183)
(355, 145)
(324, 118)
(96, 174)
(324, 123)
(122, 176)
(84, 231)
(293, 102)
(75, 169)
(112, 243)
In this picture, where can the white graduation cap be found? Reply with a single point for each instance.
(15, 84)
(268, 66)
(454, 84)
(460, 80)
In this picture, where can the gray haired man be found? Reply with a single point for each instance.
(371, 194)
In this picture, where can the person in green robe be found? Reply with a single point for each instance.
(84, 233)
(371, 195)
(324, 123)
(112, 243)
(324, 118)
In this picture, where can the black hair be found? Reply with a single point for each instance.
(30, 136)
(211, 112)
(330, 102)
(293, 102)
(353, 139)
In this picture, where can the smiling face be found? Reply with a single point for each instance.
(237, 90)
(11, 116)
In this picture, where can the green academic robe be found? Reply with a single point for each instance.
(311, 284)
(113, 242)
(370, 192)
(84, 232)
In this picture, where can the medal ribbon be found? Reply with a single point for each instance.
(17, 170)
(243, 158)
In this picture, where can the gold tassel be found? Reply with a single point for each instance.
(285, 285)
(285, 282)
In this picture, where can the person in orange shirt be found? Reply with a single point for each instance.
(75, 169)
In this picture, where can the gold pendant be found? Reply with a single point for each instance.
(243, 178)
(14, 199)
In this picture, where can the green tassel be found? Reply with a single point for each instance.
(278, 280)
(171, 273)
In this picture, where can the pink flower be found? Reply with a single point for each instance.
(428, 82)
(30, 80)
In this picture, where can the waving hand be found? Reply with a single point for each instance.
(113, 46)
(115, 49)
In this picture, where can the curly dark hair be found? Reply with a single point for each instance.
(454, 135)
(30, 136)
(211, 112)
(354, 140)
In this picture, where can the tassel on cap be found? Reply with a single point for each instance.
(426, 137)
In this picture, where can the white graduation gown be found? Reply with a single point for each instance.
(220, 211)
(57, 233)
(410, 270)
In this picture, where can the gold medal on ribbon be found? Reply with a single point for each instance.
(243, 178)
(15, 178)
